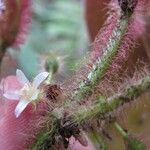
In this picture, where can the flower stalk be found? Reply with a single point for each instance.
(45, 138)
(120, 130)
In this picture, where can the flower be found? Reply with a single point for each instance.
(28, 93)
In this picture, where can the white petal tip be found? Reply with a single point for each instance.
(17, 115)
(20, 107)
(21, 77)
(40, 78)
(45, 74)
(18, 70)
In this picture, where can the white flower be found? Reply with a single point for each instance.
(28, 93)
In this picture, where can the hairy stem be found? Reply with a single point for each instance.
(102, 64)
(104, 106)
(45, 137)
(120, 130)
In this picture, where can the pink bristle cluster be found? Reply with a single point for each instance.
(97, 47)
(124, 63)
(125, 52)
(105, 32)
(135, 31)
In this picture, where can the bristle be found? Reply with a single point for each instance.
(96, 49)
(115, 71)
(124, 62)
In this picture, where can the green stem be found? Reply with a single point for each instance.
(49, 78)
(121, 130)
(99, 109)
(102, 64)
(45, 137)
(131, 142)
(104, 106)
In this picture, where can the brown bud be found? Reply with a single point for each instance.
(52, 92)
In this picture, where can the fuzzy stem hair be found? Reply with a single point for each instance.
(102, 63)
(101, 108)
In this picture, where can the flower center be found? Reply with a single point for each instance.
(29, 92)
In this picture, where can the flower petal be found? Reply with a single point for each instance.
(12, 95)
(20, 107)
(21, 77)
(40, 78)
